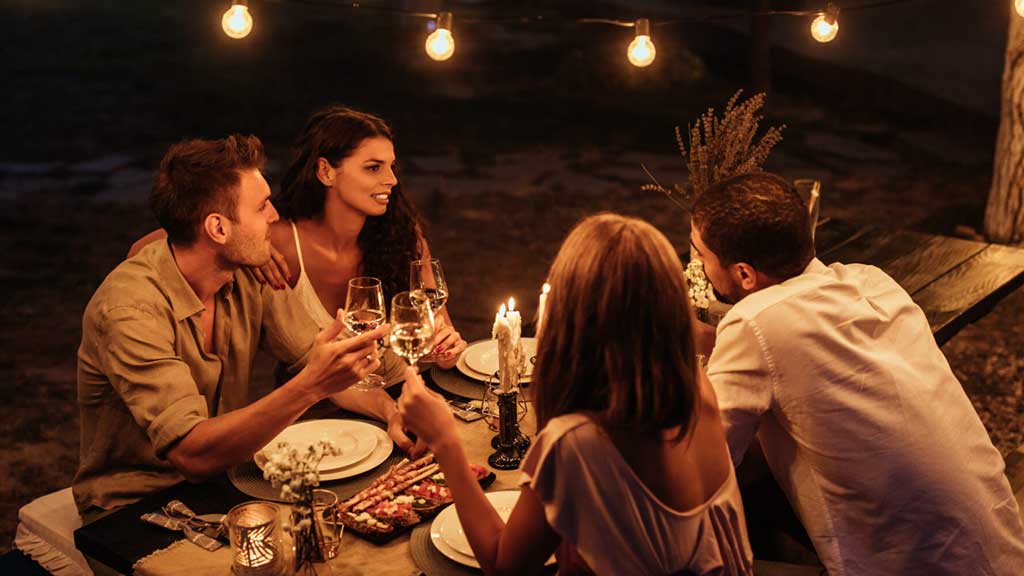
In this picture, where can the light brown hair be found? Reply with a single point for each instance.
(200, 177)
(617, 342)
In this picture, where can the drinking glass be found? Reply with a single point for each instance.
(256, 544)
(429, 279)
(364, 311)
(412, 325)
(428, 276)
(326, 516)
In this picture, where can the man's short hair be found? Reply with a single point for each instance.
(757, 218)
(200, 177)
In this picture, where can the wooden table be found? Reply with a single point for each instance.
(121, 539)
(954, 281)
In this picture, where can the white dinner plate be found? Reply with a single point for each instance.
(451, 530)
(482, 358)
(356, 440)
(446, 532)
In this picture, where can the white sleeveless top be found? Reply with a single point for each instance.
(594, 500)
(392, 367)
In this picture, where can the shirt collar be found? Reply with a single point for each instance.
(183, 299)
(815, 266)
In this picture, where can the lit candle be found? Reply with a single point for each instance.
(541, 304)
(507, 330)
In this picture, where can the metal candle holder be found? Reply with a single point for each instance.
(510, 442)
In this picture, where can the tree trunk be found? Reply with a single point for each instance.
(1004, 215)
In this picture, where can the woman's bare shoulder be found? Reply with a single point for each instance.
(283, 240)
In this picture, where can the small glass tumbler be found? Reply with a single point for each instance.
(255, 531)
(331, 529)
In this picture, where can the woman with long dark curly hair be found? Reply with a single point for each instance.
(343, 215)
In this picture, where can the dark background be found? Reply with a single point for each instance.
(526, 129)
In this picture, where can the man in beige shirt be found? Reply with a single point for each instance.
(169, 337)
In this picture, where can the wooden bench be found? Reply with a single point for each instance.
(955, 281)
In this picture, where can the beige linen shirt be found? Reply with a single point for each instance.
(144, 380)
(865, 427)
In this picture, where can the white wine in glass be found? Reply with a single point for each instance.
(429, 278)
(364, 311)
(412, 326)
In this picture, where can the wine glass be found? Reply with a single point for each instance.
(428, 277)
(412, 325)
(364, 311)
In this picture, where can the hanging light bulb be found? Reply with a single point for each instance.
(440, 44)
(826, 25)
(1018, 5)
(641, 50)
(237, 22)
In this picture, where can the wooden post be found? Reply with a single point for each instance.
(760, 47)
(1004, 214)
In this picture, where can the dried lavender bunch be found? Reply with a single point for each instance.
(724, 147)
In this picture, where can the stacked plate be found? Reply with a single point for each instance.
(362, 446)
(480, 360)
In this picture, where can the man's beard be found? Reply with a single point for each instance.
(731, 295)
(245, 252)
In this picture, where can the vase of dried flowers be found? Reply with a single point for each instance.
(296, 473)
(718, 148)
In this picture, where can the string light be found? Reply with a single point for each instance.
(641, 50)
(1018, 5)
(237, 22)
(826, 25)
(440, 45)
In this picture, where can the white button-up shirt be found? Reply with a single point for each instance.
(865, 427)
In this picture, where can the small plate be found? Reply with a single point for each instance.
(355, 440)
(480, 360)
(447, 536)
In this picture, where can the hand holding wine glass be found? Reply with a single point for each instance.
(364, 311)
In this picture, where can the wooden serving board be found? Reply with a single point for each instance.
(378, 538)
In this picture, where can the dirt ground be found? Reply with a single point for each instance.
(501, 164)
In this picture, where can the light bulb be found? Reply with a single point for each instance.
(1018, 5)
(440, 45)
(825, 27)
(237, 22)
(641, 50)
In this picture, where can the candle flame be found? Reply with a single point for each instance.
(511, 304)
(501, 311)
(546, 288)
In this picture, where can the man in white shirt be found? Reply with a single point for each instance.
(836, 372)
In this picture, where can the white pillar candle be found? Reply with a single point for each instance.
(507, 330)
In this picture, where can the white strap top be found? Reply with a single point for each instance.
(392, 367)
(305, 292)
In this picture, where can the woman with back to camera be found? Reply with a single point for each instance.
(630, 472)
